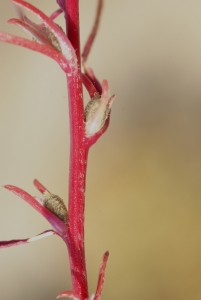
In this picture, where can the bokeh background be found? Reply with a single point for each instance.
(143, 199)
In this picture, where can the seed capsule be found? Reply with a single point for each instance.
(56, 205)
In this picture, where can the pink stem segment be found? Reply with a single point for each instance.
(78, 160)
(73, 25)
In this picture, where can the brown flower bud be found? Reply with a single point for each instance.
(56, 205)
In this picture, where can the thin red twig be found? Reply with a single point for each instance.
(93, 33)
(89, 85)
(56, 13)
(87, 48)
(101, 277)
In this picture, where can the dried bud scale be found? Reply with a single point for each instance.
(91, 107)
(56, 205)
(52, 38)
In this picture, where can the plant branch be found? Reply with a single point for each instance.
(78, 160)
(72, 25)
(93, 33)
(84, 132)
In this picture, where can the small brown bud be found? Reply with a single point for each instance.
(56, 205)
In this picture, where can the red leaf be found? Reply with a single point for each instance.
(56, 223)
(6, 244)
(101, 277)
(56, 13)
(46, 50)
(93, 33)
(65, 44)
(34, 30)
(39, 186)
(89, 85)
(89, 72)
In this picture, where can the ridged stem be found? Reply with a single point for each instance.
(78, 160)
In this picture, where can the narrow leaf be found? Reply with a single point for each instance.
(89, 85)
(6, 244)
(37, 32)
(90, 74)
(39, 186)
(56, 223)
(65, 44)
(46, 50)
(93, 33)
(101, 277)
(56, 13)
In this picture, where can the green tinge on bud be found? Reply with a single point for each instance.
(96, 113)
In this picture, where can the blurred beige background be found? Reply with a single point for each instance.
(143, 200)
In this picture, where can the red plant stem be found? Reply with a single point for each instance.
(77, 175)
(78, 161)
(72, 25)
